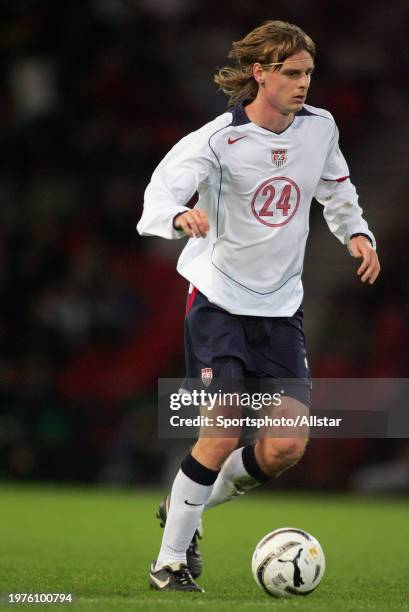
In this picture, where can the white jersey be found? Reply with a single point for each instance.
(256, 187)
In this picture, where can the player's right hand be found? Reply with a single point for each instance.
(193, 223)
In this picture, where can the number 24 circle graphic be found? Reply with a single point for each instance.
(276, 201)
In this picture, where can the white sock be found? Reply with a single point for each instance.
(183, 518)
(233, 480)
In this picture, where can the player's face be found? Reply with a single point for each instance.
(286, 89)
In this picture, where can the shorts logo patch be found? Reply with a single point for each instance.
(207, 376)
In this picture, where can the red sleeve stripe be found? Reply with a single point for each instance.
(340, 180)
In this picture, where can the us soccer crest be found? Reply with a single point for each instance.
(207, 376)
(279, 157)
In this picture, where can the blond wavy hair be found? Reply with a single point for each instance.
(273, 41)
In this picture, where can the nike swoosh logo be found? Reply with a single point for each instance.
(189, 504)
(233, 140)
(160, 583)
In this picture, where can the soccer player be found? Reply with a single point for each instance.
(256, 169)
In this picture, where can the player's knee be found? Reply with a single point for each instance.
(282, 453)
(214, 451)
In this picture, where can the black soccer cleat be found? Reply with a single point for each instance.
(173, 577)
(193, 556)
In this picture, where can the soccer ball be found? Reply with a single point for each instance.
(288, 562)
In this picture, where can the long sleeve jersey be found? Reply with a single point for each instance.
(256, 187)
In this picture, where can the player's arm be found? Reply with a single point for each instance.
(187, 168)
(344, 215)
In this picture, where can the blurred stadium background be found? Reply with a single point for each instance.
(93, 94)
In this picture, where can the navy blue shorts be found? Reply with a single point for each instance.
(266, 351)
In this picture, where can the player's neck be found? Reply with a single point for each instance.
(264, 115)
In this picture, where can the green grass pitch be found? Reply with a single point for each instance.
(98, 544)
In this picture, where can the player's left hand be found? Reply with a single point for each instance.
(369, 269)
